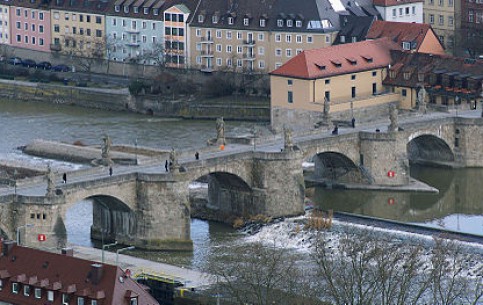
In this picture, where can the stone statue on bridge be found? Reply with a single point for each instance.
(421, 99)
(50, 181)
(105, 150)
(287, 137)
(173, 161)
(220, 131)
(393, 127)
(326, 118)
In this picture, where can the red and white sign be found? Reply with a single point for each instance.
(391, 174)
(391, 201)
(41, 237)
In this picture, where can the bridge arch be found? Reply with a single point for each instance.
(335, 166)
(429, 149)
(229, 196)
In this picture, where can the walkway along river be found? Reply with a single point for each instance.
(457, 207)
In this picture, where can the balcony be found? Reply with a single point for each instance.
(134, 44)
(208, 69)
(132, 31)
(55, 47)
(208, 39)
(207, 53)
(248, 56)
(249, 42)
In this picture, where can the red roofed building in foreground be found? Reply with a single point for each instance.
(417, 37)
(33, 277)
(347, 78)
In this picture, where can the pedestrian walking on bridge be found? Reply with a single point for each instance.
(110, 170)
(64, 178)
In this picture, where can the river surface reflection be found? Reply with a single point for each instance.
(457, 207)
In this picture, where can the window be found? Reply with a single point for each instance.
(126, 9)
(88, 32)
(26, 26)
(290, 97)
(280, 23)
(26, 39)
(413, 10)
(406, 45)
(229, 49)
(261, 51)
(230, 20)
(262, 23)
(153, 26)
(404, 92)
(201, 18)
(289, 23)
(246, 21)
(407, 10)
(353, 93)
(146, 10)
(394, 12)
(219, 62)
(15, 285)
(98, 19)
(298, 38)
(214, 19)
(440, 2)
(219, 48)
(342, 38)
(261, 64)
(278, 37)
(136, 9)
(353, 77)
(41, 16)
(278, 52)
(117, 8)
(93, 302)
(239, 35)
(239, 49)
(229, 62)
(19, 39)
(431, 19)
(98, 33)
(374, 73)
(450, 3)
(81, 18)
(288, 52)
(88, 18)
(33, 15)
(471, 16)
(327, 96)
(239, 63)
(50, 295)
(450, 20)
(298, 24)
(327, 81)
(218, 34)
(310, 39)
(441, 20)
(33, 40)
(1, 284)
(228, 34)
(134, 301)
(17, 12)
(288, 38)
(17, 24)
(289, 82)
(65, 299)
(80, 301)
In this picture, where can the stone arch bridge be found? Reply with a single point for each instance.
(146, 207)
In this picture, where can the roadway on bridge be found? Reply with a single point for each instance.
(38, 187)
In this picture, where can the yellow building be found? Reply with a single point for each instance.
(343, 81)
(78, 28)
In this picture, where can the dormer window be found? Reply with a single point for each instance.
(201, 18)
(136, 9)
(392, 74)
(133, 301)
(15, 288)
(126, 9)
(156, 11)
(421, 77)
(298, 24)
(290, 23)
(146, 10)
(407, 75)
(342, 38)
(117, 8)
(230, 20)
(336, 63)
(262, 23)
(214, 19)
(368, 58)
(406, 45)
(26, 290)
(246, 21)
(280, 23)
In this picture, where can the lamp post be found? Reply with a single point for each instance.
(29, 225)
(104, 247)
(122, 250)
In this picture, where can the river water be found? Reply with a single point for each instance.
(458, 206)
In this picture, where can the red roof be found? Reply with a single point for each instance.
(394, 2)
(66, 274)
(399, 31)
(339, 59)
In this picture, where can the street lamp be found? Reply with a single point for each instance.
(106, 246)
(121, 250)
(29, 225)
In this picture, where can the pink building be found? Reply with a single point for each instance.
(30, 25)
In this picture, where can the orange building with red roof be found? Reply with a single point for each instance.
(417, 37)
(348, 77)
(34, 277)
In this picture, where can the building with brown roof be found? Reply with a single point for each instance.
(417, 37)
(448, 81)
(346, 77)
(34, 277)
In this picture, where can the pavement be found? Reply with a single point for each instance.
(190, 278)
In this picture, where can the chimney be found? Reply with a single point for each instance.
(67, 251)
(7, 246)
(95, 275)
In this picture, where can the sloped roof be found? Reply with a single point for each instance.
(399, 31)
(339, 59)
(69, 274)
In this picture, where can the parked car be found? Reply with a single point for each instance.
(29, 63)
(15, 61)
(44, 65)
(61, 68)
